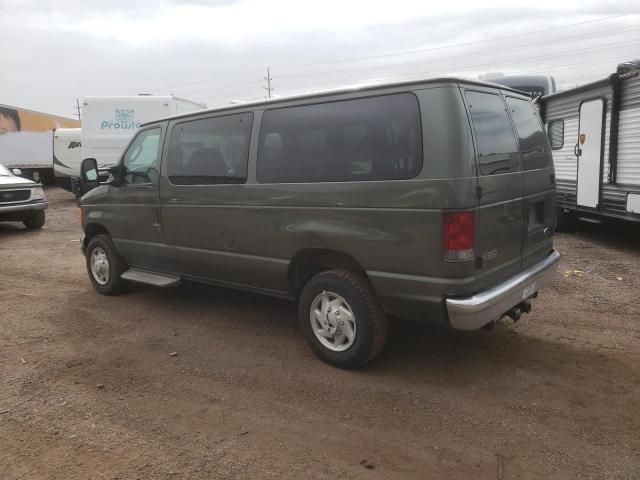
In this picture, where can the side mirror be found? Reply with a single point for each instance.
(16, 171)
(89, 174)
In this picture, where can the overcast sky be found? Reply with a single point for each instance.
(216, 51)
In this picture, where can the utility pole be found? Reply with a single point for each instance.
(77, 110)
(268, 88)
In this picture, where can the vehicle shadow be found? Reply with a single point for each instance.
(11, 228)
(619, 234)
(415, 352)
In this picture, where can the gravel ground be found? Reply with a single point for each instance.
(89, 387)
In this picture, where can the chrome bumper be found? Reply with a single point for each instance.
(24, 206)
(478, 310)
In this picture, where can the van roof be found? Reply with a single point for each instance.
(337, 91)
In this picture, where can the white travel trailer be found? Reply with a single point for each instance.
(594, 131)
(67, 156)
(109, 122)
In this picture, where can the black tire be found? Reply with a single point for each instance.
(370, 320)
(565, 221)
(34, 220)
(115, 284)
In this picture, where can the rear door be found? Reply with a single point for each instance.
(500, 216)
(539, 199)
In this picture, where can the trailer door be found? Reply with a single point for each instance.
(588, 151)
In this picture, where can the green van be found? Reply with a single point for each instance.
(430, 200)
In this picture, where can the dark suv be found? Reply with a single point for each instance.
(432, 200)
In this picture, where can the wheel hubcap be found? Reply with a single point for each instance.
(100, 266)
(333, 321)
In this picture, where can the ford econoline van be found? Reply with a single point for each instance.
(430, 200)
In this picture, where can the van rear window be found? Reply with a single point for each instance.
(496, 143)
(534, 148)
(375, 138)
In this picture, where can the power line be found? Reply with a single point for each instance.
(481, 65)
(575, 37)
(520, 71)
(409, 52)
(475, 54)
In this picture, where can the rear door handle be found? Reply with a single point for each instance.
(577, 150)
(155, 215)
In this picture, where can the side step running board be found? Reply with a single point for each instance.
(151, 278)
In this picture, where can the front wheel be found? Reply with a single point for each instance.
(341, 318)
(34, 220)
(105, 266)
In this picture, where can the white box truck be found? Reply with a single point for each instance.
(108, 123)
(26, 139)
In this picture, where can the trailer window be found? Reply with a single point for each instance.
(210, 151)
(533, 142)
(496, 143)
(556, 134)
(375, 138)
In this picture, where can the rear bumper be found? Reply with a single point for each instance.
(20, 207)
(474, 312)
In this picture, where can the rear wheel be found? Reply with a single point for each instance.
(105, 266)
(34, 220)
(341, 318)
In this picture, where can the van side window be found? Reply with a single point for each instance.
(556, 134)
(210, 151)
(533, 141)
(497, 148)
(376, 138)
(141, 159)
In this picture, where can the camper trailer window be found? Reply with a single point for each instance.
(556, 134)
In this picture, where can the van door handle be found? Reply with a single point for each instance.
(155, 215)
(577, 150)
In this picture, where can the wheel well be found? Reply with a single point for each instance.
(93, 229)
(309, 262)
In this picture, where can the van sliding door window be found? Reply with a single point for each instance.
(496, 143)
(375, 138)
(210, 151)
(533, 141)
(140, 161)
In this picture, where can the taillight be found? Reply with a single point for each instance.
(458, 235)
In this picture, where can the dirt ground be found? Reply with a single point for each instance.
(88, 388)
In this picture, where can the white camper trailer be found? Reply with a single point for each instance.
(594, 131)
(108, 123)
(67, 156)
